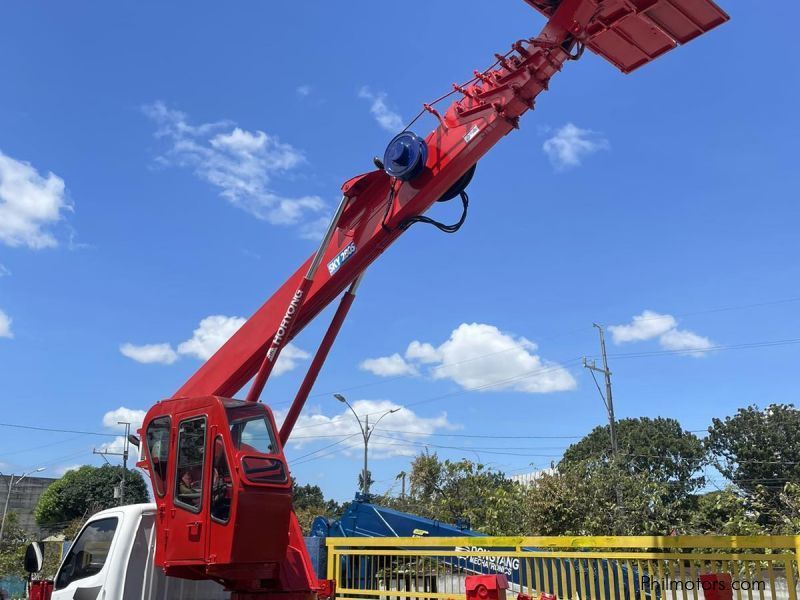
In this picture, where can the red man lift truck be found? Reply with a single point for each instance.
(223, 505)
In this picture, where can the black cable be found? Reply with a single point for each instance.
(578, 53)
(440, 226)
(389, 205)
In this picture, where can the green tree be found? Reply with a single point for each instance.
(426, 470)
(370, 481)
(12, 548)
(580, 499)
(757, 448)
(306, 496)
(658, 448)
(724, 512)
(309, 502)
(453, 490)
(85, 491)
(789, 519)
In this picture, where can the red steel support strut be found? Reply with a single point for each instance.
(284, 332)
(319, 359)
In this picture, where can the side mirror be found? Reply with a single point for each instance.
(34, 558)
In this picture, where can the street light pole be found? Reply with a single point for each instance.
(366, 433)
(12, 483)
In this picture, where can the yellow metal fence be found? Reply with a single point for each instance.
(572, 568)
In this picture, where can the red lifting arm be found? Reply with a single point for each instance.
(375, 206)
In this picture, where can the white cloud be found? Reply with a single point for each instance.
(150, 353)
(241, 163)
(4, 271)
(397, 434)
(117, 446)
(5, 326)
(126, 415)
(424, 353)
(571, 144)
(650, 325)
(480, 357)
(645, 326)
(388, 366)
(304, 91)
(681, 339)
(385, 116)
(289, 358)
(61, 471)
(29, 203)
(315, 230)
(207, 338)
(111, 421)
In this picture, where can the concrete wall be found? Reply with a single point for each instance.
(24, 496)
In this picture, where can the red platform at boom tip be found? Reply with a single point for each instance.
(631, 33)
(217, 465)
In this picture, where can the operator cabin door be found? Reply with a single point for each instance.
(187, 530)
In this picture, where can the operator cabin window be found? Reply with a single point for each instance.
(221, 484)
(158, 452)
(253, 435)
(191, 457)
(88, 553)
(250, 429)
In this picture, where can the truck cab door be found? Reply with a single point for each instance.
(188, 513)
(86, 567)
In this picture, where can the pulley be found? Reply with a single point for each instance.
(459, 186)
(405, 156)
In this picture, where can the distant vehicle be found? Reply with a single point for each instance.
(363, 519)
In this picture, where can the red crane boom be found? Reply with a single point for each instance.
(221, 481)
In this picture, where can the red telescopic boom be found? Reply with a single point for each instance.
(376, 207)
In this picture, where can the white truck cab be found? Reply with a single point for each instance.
(112, 559)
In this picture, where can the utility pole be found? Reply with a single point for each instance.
(366, 433)
(124, 454)
(608, 400)
(402, 476)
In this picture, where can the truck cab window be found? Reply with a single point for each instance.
(190, 463)
(88, 553)
(158, 452)
(221, 484)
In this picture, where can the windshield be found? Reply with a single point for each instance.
(250, 428)
(88, 553)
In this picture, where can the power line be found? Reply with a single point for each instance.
(313, 458)
(524, 375)
(299, 458)
(39, 447)
(719, 348)
(558, 336)
(57, 430)
(484, 436)
(563, 364)
(403, 442)
(726, 308)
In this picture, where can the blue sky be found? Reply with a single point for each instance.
(162, 164)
